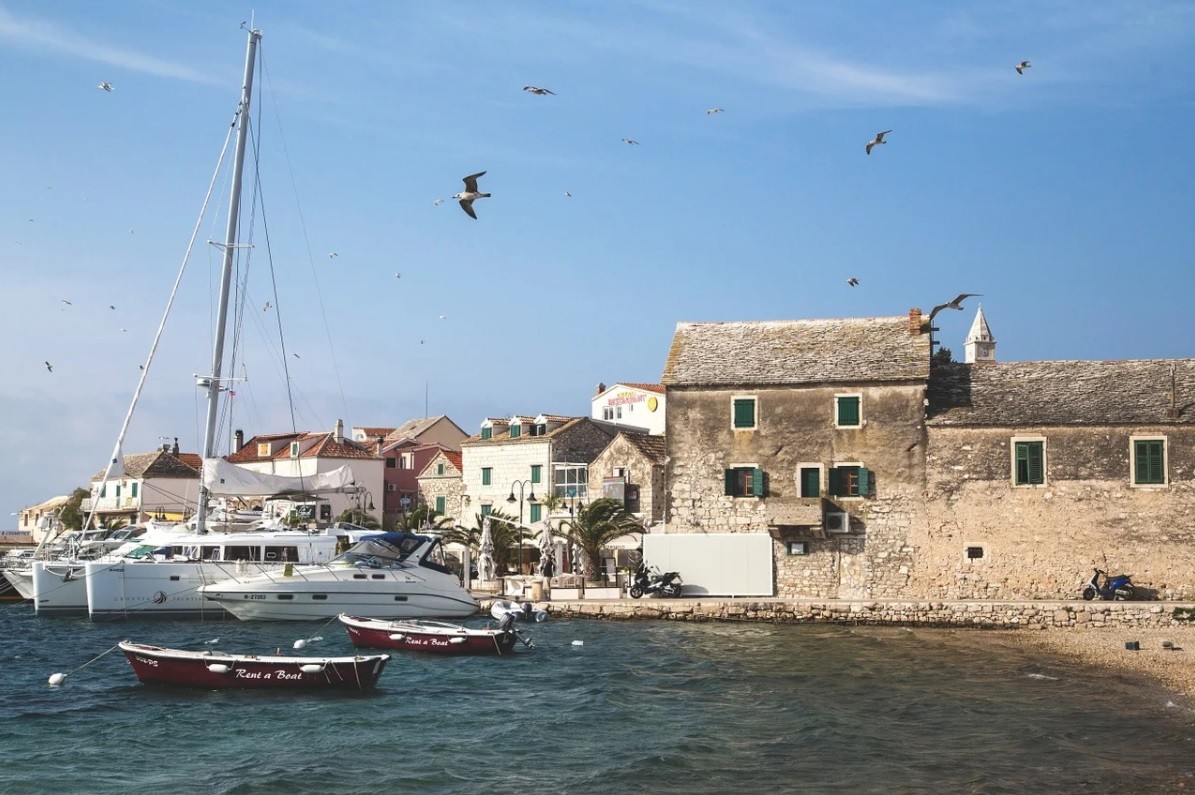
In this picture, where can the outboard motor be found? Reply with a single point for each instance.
(507, 626)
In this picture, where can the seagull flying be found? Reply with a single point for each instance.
(266, 307)
(438, 202)
(421, 340)
(297, 356)
(443, 317)
(105, 87)
(112, 307)
(713, 111)
(68, 303)
(470, 193)
(853, 282)
(398, 275)
(568, 195)
(1021, 67)
(49, 367)
(629, 141)
(957, 303)
(333, 255)
(879, 139)
(538, 91)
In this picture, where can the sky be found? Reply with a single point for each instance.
(1062, 195)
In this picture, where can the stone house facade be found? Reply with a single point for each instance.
(441, 485)
(631, 470)
(879, 477)
(163, 483)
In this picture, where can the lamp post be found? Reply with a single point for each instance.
(531, 499)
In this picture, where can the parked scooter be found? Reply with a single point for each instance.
(655, 582)
(1116, 588)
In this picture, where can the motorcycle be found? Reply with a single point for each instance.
(1116, 588)
(655, 582)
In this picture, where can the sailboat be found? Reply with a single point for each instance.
(162, 575)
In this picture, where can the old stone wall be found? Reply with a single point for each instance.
(640, 472)
(581, 443)
(450, 486)
(1043, 541)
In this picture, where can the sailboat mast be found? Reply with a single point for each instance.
(230, 245)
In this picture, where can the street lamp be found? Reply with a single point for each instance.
(511, 499)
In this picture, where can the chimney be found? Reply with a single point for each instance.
(174, 449)
(240, 439)
(380, 440)
(600, 389)
(338, 434)
(915, 325)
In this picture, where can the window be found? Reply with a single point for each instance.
(572, 481)
(133, 489)
(487, 475)
(743, 409)
(851, 481)
(118, 491)
(439, 469)
(846, 411)
(1149, 462)
(485, 509)
(294, 449)
(536, 473)
(487, 433)
(1029, 463)
(407, 461)
(440, 505)
(539, 429)
(515, 430)
(744, 482)
(608, 413)
(536, 513)
(263, 449)
(391, 463)
(810, 481)
(104, 490)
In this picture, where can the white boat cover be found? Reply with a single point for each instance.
(229, 480)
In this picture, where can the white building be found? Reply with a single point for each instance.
(635, 406)
(162, 484)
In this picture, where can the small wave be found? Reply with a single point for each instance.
(1042, 676)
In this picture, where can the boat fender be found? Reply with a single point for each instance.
(218, 668)
(311, 668)
(456, 640)
(398, 636)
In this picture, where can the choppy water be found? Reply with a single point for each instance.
(643, 706)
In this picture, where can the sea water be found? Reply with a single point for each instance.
(632, 707)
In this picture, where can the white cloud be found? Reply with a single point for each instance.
(41, 35)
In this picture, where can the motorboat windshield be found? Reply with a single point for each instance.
(385, 551)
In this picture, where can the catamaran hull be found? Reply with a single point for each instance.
(59, 588)
(161, 589)
(154, 665)
(308, 606)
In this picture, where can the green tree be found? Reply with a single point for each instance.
(417, 521)
(594, 526)
(502, 531)
(72, 515)
(942, 356)
(358, 517)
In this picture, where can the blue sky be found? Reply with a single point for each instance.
(1062, 195)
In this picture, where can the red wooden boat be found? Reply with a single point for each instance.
(430, 636)
(217, 670)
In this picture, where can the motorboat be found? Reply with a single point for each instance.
(387, 575)
(522, 611)
(14, 560)
(213, 670)
(164, 580)
(436, 637)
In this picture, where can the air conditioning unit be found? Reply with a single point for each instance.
(837, 522)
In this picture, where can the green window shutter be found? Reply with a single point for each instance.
(134, 488)
(1149, 462)
(757, 488)
(485, 510)
(514, 431)
(104, 490)
(835, 484)
(744, 413)
(810, 482)
(848, 411)
(728, 474)
(487, 433)
(486, 474)
(535, 473)
(439, 505)
(439, 469)
(1036, 468)
(117, 491)
(535, 513)
(864, 482)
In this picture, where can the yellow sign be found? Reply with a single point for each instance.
(652, 404)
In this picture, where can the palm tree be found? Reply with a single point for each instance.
(594, 526)
(358, 517)
(502, 532)
(421, 519)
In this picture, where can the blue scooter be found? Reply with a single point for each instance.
(1115, 588)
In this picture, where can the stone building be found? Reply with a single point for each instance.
(441, 485)
(877, 477)
(631, 470)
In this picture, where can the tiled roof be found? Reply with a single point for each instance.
(453, 457)
(554, 417)
(248, 453)
(657, 388)
(652, 447)
(413, 428)
(504, 436)
(783, 352)
(1062, 393)
(158, 464)
(328, 447)
(324, 446)
(375, 430)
